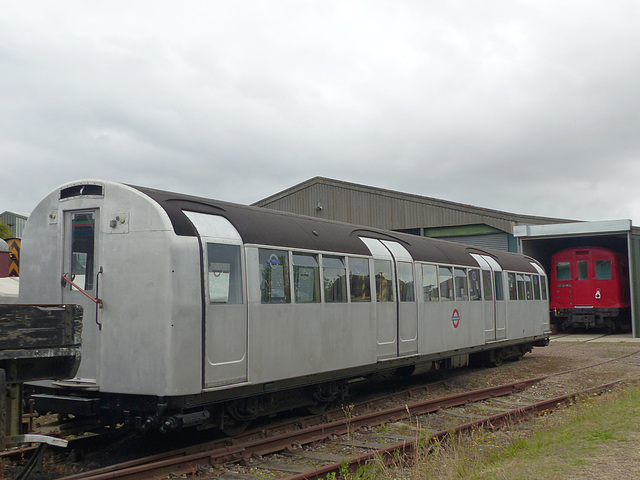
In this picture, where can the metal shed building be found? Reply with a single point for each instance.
(15, 221)
(539, 237)
(363, 205)
(541, 241)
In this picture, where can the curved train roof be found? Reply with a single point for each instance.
(269, 227)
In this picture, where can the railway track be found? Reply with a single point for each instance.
(314, 446)
(186, 462)
(319, 450)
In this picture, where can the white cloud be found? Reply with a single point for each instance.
(530, 107)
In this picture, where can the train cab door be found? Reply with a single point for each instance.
(495, 310)
(584, 276)
(225, 307)
(81, 265)
(396, 308)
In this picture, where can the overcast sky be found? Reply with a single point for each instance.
(525, 106)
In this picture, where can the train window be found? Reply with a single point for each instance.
(384, 281)
(80, 190)
(499, 286)
(334, 274)
(445, 274)
(582, 270)
(430, 283)
(462, 289)
(225, 277)
(603, 269)
(359, 279)
(563, 270)
(528, 287)
(521, 287)
(83, 228)
(474, 284)
(536, 287)
(543, 287)
(274, 276)
(486, 283)
(513, 293)
(405, 277)
(306, 278)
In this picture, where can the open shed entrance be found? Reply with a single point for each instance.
(542, 241)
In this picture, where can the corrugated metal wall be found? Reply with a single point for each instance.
(378, 209)
(497, 241)
(363, 205)
(15, 221)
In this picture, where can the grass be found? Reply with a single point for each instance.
(596, 436)
(574, 439)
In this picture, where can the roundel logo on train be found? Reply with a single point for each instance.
(455, 318)
(274, 261)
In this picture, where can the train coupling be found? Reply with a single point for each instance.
(172, 422)
(184, 420)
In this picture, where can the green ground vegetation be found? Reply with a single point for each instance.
(597, 437)
(5, 231)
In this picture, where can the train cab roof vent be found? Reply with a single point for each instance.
(82, 190)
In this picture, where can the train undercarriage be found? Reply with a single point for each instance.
(610, 320)
(233, 415)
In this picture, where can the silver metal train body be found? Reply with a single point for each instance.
(200, 312)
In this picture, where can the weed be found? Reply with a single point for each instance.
(348, 413)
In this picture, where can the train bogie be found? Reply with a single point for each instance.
(209, 313)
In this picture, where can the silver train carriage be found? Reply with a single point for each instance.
(201, 312)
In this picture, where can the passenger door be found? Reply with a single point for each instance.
(406, 298)
(495, 310)
(385, 300)
(396, 308)
(225, 319)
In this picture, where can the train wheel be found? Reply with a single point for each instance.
(495, 358)
(317, 409)
(232, 428)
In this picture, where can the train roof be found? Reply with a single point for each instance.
(270, 227)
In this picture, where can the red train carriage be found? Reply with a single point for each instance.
(590, 289)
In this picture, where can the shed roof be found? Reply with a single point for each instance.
(429, 212)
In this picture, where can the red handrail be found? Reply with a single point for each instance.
(97, 301)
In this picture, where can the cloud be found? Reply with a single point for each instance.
(528, 107)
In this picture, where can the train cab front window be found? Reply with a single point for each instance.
(563, 271)
(583, 270)
(603, 269)
(274, 276)
(225, 277)
(83, 228)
